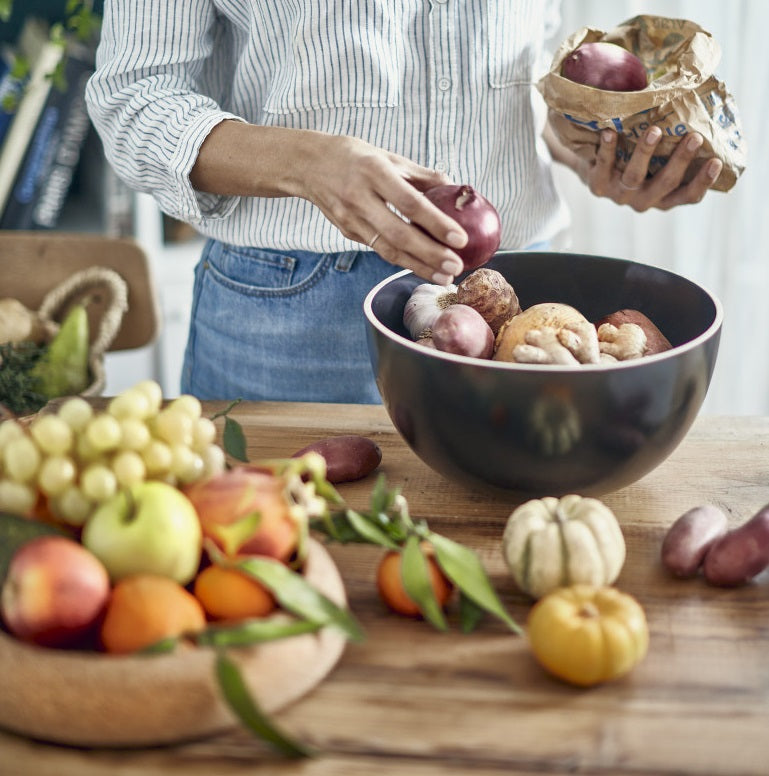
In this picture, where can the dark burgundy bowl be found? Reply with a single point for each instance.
(550, 430)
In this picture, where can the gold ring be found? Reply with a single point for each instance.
(374, 239)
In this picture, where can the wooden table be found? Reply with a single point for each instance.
(411, 700)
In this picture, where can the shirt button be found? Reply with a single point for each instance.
(441, 2)
(443, 84)
(440, 167)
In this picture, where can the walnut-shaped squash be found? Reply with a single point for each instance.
(550, 542)
(587, 635)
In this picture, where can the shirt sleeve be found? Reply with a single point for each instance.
(149, 104)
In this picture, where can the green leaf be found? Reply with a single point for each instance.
(417, 583)
(242, 703)
(234, 440)
(369, 531)
(470, 614)
(16, 531)
(295, 594)
(463, 567)
(256, 631)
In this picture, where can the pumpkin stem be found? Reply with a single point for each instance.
(589, 610)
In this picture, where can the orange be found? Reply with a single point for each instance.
(228, 594)
(392, 592)
(147, 608)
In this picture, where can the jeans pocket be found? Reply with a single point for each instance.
(338, 54)
(263, 272)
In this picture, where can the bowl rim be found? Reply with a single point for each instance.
(547, 368)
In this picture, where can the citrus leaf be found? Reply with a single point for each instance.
(470, 614)
(253, 632)
(367, 530)
(241, 702)
(463, 567)
(234, 440)
(295, 594)
(417, 584)
(15, 531)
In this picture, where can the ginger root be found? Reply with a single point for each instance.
(621, 343)
(574, 344)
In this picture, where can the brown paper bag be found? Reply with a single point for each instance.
(683, 95)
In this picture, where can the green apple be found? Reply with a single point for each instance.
(149, 528)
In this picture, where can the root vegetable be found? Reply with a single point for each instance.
(690, 537)
(740, 554)
(476, 215)
(348, 457)
(487, 291)
(605, 65)
(462, 330)
(656, 341)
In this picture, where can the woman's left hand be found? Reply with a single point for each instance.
(631, 186)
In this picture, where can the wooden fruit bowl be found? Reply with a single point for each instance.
(94, 699)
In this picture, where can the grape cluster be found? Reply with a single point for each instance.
(77, 457)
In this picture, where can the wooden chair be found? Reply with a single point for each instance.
(34, 263)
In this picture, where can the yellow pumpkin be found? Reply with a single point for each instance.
(587, 635)
(550, 542)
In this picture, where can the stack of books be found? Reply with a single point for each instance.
(43, 126)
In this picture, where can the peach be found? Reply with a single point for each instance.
(54, 593)
(245, 511)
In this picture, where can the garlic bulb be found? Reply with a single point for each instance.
(426, 303)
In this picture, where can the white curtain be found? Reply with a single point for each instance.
(722, 242)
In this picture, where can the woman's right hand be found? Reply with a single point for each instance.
(359, 187)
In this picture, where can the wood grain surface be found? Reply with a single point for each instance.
(411, 700)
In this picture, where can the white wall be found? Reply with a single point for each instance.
(722, 241)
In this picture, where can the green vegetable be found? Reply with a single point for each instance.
(63, 369)
(16, 531)
(19, 390)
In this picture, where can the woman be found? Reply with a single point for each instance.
(299, 137)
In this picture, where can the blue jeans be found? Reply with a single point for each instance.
(281, 325)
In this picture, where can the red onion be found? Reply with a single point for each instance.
(476, 215)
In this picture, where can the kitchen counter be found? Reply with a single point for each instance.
(411, 700)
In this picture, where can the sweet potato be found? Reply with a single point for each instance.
(740, 554)
(348, 456)
(656, 341)
(690, 537)
(461, 330)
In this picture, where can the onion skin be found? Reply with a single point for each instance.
(606, 66)
(476, 215)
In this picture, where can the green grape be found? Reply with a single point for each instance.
(98, 482)
(134, 434)
(131, 403)
(52, 434)
(203, 434)
(10, 429)
(103, 432)
(153, 392)
(189, 405)
(72, 506)
(76, 412)
(157, 458)
(129, 468)
(17, 497)
(21, 459)
(56, 474)
(173, 426)
(214, 461)
(186, 465)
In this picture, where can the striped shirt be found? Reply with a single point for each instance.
(446, 83)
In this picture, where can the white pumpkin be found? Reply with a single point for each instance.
(550, 542)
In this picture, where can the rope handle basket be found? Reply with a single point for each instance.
(78, 287)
